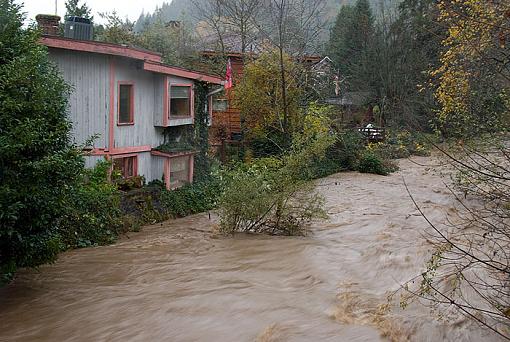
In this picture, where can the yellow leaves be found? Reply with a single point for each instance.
(474, 28)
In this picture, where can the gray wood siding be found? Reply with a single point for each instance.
(157, 168)
(88, 74)
(145, 165)
(159, 96)
(91, 161)
(143, 132)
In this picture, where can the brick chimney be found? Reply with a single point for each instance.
(49, 24)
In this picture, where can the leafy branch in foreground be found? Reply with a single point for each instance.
(470, 269)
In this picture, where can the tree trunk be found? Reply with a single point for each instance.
(282, 68)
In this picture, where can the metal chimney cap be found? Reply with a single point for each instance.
(76, 19)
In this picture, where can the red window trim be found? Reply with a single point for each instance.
(191, 101)
(132, 106)
(126, 156)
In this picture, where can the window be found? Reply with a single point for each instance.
(126, 104)
(127, 166)
(179, 171)
(220, 105)
(180, 101)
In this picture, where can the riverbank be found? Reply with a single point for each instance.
(179, 281)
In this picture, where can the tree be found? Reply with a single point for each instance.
(73, 8)
(474, 73)
(233, 22)
(352, 40)
(241, 16)
(210, 12)
(389, 58)
(116, 30)
(469, 271)
(338, 47)
(404, 48)
(259, 97)
(291, 27)
(38, 163)
(175, 42)
(273, 195)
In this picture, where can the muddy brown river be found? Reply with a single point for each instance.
(180, 282)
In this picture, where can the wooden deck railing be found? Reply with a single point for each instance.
(373, 134)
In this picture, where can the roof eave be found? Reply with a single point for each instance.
(100, 47)
(174, 71)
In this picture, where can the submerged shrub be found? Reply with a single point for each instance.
(262, 199)
(371, 162)
(273, 195)
(346, 150)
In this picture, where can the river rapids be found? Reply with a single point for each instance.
(179, 281)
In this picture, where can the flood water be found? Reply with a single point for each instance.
(181, 282)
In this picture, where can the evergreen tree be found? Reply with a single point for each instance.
(38, 163)
(389, 58)
(116, 30)
(351, 41)
(73, 8)
(338, 49)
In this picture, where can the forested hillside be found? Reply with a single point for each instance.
(185, 10)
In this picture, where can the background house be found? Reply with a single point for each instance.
(226, 119)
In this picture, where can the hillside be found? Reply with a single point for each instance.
(184, 10)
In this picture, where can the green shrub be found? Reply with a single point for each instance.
(347, 150)
(127, 184)
(403, 144)
(92, 216)
(371, 162)
(39, 166)
(273, 195)
(193, 198)
(264, 198)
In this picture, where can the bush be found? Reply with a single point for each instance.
(371, 162)
(193, 198)
(346, 150)
(402, 144)
(92, 216)
(264, 199)
(39, 166)
(128, 184)
(272, 195)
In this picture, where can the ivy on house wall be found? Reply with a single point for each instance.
(193, 138)
(202, 160)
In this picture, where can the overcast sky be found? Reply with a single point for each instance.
(125, 8)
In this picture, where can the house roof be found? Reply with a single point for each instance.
(251, 54)
(100, 47)
(354, 98)
(152, 60)
(161, 68)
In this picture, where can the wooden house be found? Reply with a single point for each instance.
(226, 118)
(129, 101)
